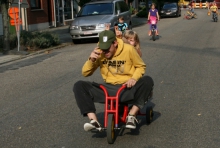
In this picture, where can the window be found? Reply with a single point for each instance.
(35, 4)
(67, 9)
(96, 9)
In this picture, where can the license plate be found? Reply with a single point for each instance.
(87, 32)
(168, 13)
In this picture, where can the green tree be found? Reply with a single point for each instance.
(82, 2)
(6, 37)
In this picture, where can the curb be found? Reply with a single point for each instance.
(36, 53)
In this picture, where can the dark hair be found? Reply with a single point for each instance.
(121, 17)
(153, 4)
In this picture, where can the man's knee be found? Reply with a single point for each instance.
(148, 80)
(78, 85)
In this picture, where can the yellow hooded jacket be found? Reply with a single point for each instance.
(125, 64)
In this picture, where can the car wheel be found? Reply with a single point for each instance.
(130, 26)
(76, 41)
(177, 14)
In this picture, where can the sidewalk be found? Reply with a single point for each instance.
(63, 33)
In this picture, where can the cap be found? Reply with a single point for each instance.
(106, 38)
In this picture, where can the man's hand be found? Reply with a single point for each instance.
(95, 54)
(130, 83)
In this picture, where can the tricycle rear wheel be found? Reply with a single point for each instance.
(149, 114)
(111, 129)
(153, 35)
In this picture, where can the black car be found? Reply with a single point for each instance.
(170, 10)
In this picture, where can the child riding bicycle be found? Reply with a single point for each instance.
(191, 12)
(214, 9)
(153, 15)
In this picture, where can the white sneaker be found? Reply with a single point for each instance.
(92, 125)
(131, 122)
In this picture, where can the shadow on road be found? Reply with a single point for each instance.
(123, 131)
(27, 62)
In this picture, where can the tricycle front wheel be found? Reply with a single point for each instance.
(111, 129)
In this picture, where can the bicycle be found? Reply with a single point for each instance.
(190, 15)
(153, 23)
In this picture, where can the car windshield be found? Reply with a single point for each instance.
(168, 6)
(96, 9)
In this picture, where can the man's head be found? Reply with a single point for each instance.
(108, 43)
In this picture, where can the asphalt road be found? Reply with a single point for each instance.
(38, 109)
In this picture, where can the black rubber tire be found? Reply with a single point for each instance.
(149, 114)
(130, 26)
(111, 129)
(76, 41)
(195, 16)
(153, 35)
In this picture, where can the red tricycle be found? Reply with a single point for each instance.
(112, 118)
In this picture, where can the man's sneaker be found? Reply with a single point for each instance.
(92, 125)
(131, 122)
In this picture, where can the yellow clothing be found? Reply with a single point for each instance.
(125, 64)
(214, 8)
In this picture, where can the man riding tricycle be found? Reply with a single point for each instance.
(121, 69)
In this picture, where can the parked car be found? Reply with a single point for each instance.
(143, 4)
(91, 19)
(170, 10)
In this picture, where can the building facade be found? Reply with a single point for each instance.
(43, 14)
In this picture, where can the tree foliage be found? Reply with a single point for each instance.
(4, 4)
(82, 2)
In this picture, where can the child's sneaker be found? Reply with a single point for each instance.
(92, 125)
(131, 122)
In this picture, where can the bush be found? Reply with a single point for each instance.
(142, 13)
(36, 40)
(25, 37)
(39, 39)
(13, 41)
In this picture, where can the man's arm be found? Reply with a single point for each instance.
(139, 65)
(92, 63)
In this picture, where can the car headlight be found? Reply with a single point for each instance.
(74, 27)
(100, 25)
(162, 11)
(174, 10)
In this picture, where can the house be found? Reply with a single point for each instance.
(43, 14)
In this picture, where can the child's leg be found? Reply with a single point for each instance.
(149, 33)
(156, 30)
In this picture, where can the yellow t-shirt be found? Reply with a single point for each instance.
(214, 8)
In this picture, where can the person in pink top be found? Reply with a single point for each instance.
(153, 15)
